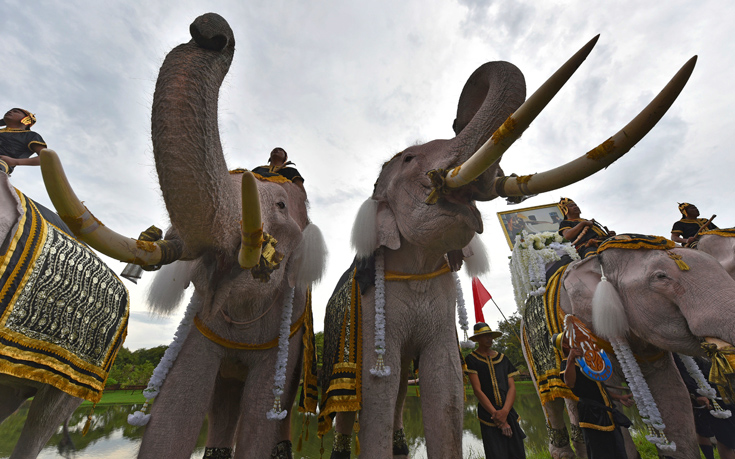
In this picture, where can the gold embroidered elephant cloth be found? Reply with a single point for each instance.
(63, 312)
(342, 355)
(543, 317)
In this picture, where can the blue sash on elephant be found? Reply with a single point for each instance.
(542, 318)
(63, 312)
(342, 358)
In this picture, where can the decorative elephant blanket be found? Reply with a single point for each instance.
(342, 355)
(63, 312)
(542, 317)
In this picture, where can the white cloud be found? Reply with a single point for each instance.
(343, 86)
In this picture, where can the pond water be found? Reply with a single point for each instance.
(111, 437)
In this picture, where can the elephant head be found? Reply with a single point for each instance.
(670, 300)
(425, 195)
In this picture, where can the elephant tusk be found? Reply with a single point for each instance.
(86, 227)
(252, 226)
(606, 153)
(516, 124)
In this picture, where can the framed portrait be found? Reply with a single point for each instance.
(531, 219)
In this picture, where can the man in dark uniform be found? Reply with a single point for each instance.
(491, 375)
(17, 142)
(278, 167)
(598, 418)
(685, 231)
(585, 235)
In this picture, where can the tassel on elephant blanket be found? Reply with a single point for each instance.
(63, 313)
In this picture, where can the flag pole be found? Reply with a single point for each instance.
(507, 321)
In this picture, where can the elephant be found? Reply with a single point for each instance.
(64, 316)
(721, 245)
(423, 207)
(672, 299)
(251, 281)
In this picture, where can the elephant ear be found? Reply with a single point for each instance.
(375, 225)
(578, 288)
(310, 258)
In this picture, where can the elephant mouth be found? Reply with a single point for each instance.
(459, 206)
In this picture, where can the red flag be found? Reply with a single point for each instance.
(481, 296)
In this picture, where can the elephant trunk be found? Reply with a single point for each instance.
(199, 195)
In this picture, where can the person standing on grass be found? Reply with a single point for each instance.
(491, 375)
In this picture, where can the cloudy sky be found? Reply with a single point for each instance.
(342, 86)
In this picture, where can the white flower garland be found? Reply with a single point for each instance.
(531, 254)
(464, 323)
(705, 389)
(279, 380)
(644, 399)
(140, 418)
(380, 369)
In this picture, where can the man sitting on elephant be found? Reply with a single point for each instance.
(17, 142)
(585, 235)
(278, 167)
(686, 231)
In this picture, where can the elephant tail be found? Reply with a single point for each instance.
(167, 289)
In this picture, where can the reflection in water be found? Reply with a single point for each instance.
(111, 437)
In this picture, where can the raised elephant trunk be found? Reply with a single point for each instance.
(196, 186)
(478, 167)
(252, 226)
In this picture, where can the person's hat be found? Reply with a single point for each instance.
(563, 205)
(683, 208)
(481, 328)
(28, 121)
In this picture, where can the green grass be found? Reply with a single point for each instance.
(120, 397)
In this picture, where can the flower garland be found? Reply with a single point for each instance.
(464, 323)
(644, 399)
(531, 254)
(380, 369)
(140, 418)
(705, 389)
(279, 380)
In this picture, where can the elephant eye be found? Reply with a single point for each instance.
(407, 158)
(661, 275)
(281, 204)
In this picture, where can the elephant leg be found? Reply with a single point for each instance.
(673, 403)
(379, 396)
(258, 436)
(11, 399)
(224, 412)
(179, 409)
(576, 434)
(442, 398)
(559, 447)
(400, 446)
(50, 408)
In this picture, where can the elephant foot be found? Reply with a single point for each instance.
(282, 450)
(217, 453)
(578, 442)
(342, 446)
(400, 445)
